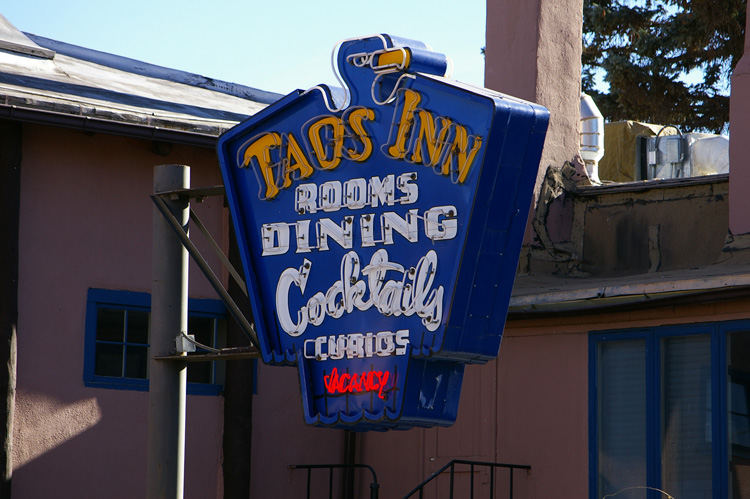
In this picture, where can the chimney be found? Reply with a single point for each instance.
(739, 144)
(533, 52)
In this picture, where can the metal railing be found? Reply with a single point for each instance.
(374, 486)
(472, 465)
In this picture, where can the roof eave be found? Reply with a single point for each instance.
(202, 138)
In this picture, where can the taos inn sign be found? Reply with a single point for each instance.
(380, 232)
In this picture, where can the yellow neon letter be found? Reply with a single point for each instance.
(260, 149)
(335, 144)
(295, 160)
(431, 134)
(355, 119)
(397, 150)
(459, 148)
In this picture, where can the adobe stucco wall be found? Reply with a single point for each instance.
(739, 144)
(542, 406)
(86, 222)
(534, 52)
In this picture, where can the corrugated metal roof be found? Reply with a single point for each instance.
(43, 77)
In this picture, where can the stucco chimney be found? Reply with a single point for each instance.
(533, 52)
(739, 144)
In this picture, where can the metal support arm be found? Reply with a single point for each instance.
(195, 253)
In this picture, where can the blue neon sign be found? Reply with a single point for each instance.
(380, 235)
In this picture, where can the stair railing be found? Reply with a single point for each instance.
(472, 464)
(374, 486)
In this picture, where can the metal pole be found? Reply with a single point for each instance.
(350, 447)
(167, 379)
(451, 491)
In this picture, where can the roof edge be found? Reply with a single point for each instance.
(141, 68)
(596, 306)
(13, 40)
(124, 129)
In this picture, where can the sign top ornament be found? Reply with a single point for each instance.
(380, 231)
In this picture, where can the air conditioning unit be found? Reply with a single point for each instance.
(662, 156)
(680, 156)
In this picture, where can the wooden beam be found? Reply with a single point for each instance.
(238, 396)
(10, 197)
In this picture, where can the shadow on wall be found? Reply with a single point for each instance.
(48, 423)
(62, 449)
(98, 447)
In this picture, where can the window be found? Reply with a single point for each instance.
(117, 341)
(669, 410)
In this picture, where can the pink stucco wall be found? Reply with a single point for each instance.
(543, 409)
(534, 52)
(86, 222)
(281, 438)
(739, 145)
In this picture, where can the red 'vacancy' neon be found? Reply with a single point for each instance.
(356, 383)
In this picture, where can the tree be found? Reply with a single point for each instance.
(666, 61)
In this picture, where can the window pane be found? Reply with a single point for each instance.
(739, 418)
(110, 324)
(221, 333)
(738, 345)
(220, 366)
(138, 327)
(108, 360)
(136, 365)
(622, 415)
(199, 372)
(203, 329)
(686, 416)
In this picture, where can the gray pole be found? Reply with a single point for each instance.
(167, 378)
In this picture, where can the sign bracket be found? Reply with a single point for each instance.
(203, 265)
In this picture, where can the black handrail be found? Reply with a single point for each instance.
(511, 467)
(374, 486)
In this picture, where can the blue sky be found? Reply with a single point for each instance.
(274, 45)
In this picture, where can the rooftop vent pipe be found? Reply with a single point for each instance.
(592, 136)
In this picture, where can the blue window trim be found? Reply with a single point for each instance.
(719, 432)
(131, 300)
(594, 340)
